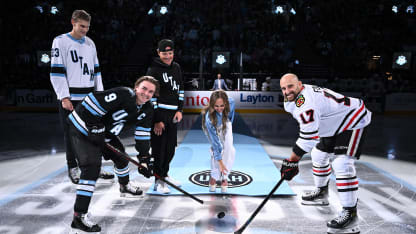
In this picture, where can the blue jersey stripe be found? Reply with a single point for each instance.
(84, 193)
(90, 109)
(77, 125)
(96, 102)
(58, 74)
(142, 138)
(143, 129)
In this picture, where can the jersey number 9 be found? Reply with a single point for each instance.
(111, 97)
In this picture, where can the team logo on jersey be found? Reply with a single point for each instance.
(300, 100)
(235, 178)
(142, 116)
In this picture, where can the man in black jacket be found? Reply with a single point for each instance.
(168, 111)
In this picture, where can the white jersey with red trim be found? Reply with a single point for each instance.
(322, 112)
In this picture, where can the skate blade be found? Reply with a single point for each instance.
(128, 195)
(105, 181)
(315, 203)
(350, 230)
(78, 231)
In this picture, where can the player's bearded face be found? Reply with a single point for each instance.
(144, 91)
(290, 90)
(166, 57)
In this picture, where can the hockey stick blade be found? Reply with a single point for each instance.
(241, 229)
(127, 157)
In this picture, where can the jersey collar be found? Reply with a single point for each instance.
(80, 41)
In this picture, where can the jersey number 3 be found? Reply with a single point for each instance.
(308, 118)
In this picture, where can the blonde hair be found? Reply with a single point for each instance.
(210, 109)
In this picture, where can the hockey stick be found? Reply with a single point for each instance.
(127, 157)
(241, 229)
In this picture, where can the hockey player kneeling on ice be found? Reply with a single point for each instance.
(98, 120)
(331, 125)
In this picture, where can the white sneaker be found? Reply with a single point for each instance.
(162, 187)
(224, 186)
(173, 181)
(212, 184)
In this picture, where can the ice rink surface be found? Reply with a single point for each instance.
(36, 195)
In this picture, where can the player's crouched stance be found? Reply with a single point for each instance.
(98, 120)
(330, 125)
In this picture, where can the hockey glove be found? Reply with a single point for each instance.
(289, 169)
(146, 161)
(96, 133)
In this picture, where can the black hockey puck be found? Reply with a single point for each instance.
(221, 215)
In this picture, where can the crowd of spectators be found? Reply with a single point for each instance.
(28, 27)
(344, 35)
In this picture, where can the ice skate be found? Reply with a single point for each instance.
(105, 177)
(74, 174)
(130, 191)
(82, 223)
(346, 222)
(317, 197)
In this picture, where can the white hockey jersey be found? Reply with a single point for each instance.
(75, 70)
(322, 112)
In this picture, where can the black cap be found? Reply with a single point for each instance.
(165, 45)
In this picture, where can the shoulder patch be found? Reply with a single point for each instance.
(300, 100)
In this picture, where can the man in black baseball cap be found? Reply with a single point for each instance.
(168, 112)
(165, 45)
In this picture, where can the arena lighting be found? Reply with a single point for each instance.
(293, 11)
(395, 9)
(278, 10)
(150, 12)
(163, 10)
(39, 8)
(410, 9)
(54, 10)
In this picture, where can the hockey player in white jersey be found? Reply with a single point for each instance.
(75, 72)
(331, 125)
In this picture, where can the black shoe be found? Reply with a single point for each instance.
(346, 222)
(74, 174)
(317, 197)
(130, 190)
(83, 223)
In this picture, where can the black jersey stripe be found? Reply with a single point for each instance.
(347, 190)
(60, 70)
(97, 70)
(343, 121)
(81, 90)
(359, 119)
(349, 178)
(309, 133)
(307, 138)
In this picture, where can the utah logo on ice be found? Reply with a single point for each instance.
(235, 179)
